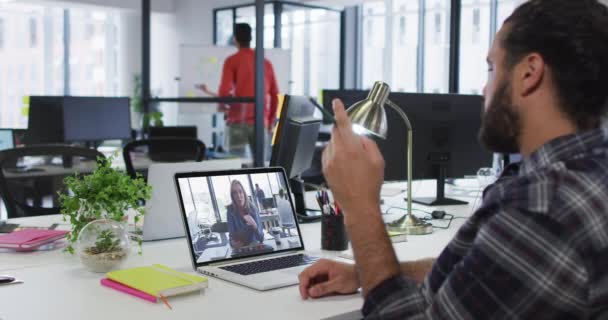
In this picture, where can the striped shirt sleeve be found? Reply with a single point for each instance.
(520, 264)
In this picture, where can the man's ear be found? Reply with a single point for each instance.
(531, 71)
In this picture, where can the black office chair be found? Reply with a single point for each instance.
(29, 175)
(172, 149)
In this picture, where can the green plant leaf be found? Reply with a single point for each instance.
(106, 193)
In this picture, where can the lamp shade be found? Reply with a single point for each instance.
(369, 116)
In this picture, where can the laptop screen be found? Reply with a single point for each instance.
(228, 215)
(6, 139)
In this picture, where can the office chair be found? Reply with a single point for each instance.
(173, 149)
(30, 174)
(286, 216)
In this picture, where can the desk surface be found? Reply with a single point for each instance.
(56, 286)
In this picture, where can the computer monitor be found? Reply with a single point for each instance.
(56, 119)
(7, 140)
(90, 119)
(348, 97)
(294, 143)
(445, 128)
(45, 120)
(176, 131)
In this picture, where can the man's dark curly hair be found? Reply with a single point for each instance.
(572, 38)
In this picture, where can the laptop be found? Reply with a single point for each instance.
(163, 219)
(7, 139)
(233, 237)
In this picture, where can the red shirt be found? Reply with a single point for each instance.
(238, 80)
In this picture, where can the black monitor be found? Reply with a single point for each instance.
(294, 143)
(45, 120)
(445, 128)
(173, 132)
(56, 119)
(348, 97)
(90, 119)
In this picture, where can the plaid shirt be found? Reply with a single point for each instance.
(536, 248)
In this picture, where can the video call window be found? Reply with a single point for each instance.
(239, 215)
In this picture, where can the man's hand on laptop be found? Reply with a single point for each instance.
(327, 277)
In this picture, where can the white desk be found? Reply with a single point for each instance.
(56, 286)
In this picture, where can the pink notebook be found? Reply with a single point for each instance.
(128, 290)
(30, 239)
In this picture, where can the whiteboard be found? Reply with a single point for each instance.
(203, 65)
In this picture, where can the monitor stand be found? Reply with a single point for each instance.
(304, 215)
(440, 199)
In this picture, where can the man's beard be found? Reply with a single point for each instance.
(500, 125)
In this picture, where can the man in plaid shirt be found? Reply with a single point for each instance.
(538, 245)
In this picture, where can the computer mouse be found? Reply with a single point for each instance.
(438, 214)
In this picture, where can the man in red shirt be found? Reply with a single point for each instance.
(238, 80)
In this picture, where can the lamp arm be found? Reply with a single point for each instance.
(401, 113)
(409, 152)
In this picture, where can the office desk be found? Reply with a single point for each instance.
(56, 286)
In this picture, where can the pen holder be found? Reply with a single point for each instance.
(333, 233)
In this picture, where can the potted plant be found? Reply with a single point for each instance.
(103, 245)
(106, 193)
(154, 118)
(136, 103)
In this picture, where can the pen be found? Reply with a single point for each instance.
(338, 210)
(165, 301)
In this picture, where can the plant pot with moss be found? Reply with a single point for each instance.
(105, 194)
(103, 245)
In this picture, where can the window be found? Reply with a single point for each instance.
(1, 33)
(504, 10)
(33, 32)
(404, 76)
(29, 65)
(223, 30)
(437, 29)
(437, 46)
(475, 39)
(476, 26)
(247, 15)
(393, 50)
(34, 64)
(402, 30)
(374, 48)
(93, 44)
(312, 35)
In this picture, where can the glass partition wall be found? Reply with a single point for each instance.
(311, 34)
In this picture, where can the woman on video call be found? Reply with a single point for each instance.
(244, 225)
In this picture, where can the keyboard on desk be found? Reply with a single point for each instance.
(260, 266)
(252, 249)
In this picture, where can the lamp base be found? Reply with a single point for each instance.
(411, 225)
(432, 202)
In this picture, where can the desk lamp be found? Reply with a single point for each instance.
(369, 117)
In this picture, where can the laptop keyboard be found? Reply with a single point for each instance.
(270, 264)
